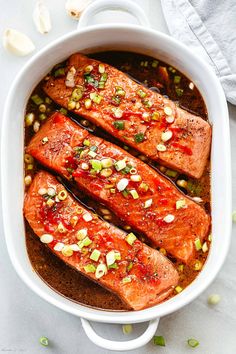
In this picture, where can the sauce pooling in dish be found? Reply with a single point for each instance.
(159, 77)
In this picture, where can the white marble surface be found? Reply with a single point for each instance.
(24, 317)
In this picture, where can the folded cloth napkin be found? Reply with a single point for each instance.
(209, 28)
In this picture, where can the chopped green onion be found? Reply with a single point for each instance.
(141, 93)
(198, 265)
(181, 268)
(95, 97)
(147, 103)
(119, 124)
(198, 244)
(85, 242)
(120, 91)
(214, 299)
(156, 116)
(126, 280)
(90, 268)
(143, 186)
(63, 111)
(117, 255)
(193, 343)
(29, 119)
(127, 328)
(37, 100)
(86, 142)
(178, 289)
(119, 165)
(42, 108)
(116, 100)
(155, 63)
(71, 105)
(147, 203)
(134, 193)
(171, 173)
(138, 138)
(103, 77)
(101, 68)
(48, 100)
(59, 72)
(125, 193)
(96, 165)
(181, 203)
(130, 266)
(107, 162)
(179, 91)
(127, 169)
(182, 183)
(177, 79)
(130, 238)
(159, 340)
(77, 94)
(42, 116)
(95, 255)
(113, 266)
(88, 69)
(101, 270)
(44, 341)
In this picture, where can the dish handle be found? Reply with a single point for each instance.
(125, 6)
(123, 345)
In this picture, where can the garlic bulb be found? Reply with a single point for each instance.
(17, 43)
(74, 8)
(41, 17)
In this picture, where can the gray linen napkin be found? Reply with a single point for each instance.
(208, 27)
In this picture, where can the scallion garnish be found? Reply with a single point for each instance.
(44, 341)
(193, 343)
(130, 238)
(90, 268)
(116, 100)
(198, 244)
(138, 138)
(179, 91)
(159, 340)
(37, 99)
(119, 124)
(59, 72)
(177, 79)
(127, 328)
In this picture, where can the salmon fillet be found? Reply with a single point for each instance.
(86, 243)
(141, 118)
(135, 192)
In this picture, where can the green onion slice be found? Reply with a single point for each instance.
(159, 340)
(44, 341)
(193, 343)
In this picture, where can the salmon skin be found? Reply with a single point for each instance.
(135, 192)
(141, 118)
(95, 248)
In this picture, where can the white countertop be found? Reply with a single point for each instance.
(24, 317)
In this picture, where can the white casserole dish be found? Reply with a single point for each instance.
(145, 41)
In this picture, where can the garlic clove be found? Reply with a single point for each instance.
(17, 43)
(74, 8)
(41, 17)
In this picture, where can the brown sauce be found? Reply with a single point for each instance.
(162, 78)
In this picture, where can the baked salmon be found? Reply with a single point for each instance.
(111, 257)
(134, 191)
(141, 118)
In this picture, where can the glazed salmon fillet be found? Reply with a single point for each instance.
(134, 191)
(141, 118)
(100, 251)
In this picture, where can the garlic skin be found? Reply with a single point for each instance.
(74, 8)
(41, 17)
(17, 43)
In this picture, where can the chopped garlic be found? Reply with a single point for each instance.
(17, 43)
(58, 246)
(46, 238)
(167, 135)
(70, 77)
(169, 218)
(148, 203)
(87, 217)
(122, 184)
(41, 17)
(161, 147)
